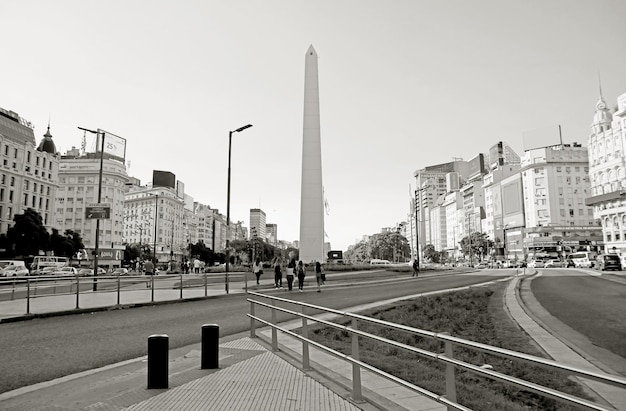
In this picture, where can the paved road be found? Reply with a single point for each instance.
(589, 310)
(42, 349)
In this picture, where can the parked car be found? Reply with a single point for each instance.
(66, 271)
(481, 265)
(609, 262)
(120, 271)
(89, 271)
(14, 271)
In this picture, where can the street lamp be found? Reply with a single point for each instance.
(230, 139)
(156, 223)
(97, 239)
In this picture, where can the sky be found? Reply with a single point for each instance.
(403, 84)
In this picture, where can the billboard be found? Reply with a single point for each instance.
(113, 145)
(163, 179)
(476, 166)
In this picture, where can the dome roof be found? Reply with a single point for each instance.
(603, 117)
(46, 144)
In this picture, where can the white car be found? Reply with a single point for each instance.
(14, 271)
(66, 271)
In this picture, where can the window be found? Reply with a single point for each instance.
(559, 169)
(571, 212)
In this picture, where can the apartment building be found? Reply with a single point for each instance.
(257, 223)
(79, 182)
(555, 185)
(607, 171)
(28, 173)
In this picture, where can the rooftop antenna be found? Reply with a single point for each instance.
(83, 143)
(600, 84)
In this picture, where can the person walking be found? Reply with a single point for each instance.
(301, 272)
(257, 269)
(278, 274)
(148, 267)
(416, 268)
(319, 276)
(291, 269)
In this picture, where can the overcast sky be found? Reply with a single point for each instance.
(403, 85)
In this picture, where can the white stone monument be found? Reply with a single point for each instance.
(312, 196)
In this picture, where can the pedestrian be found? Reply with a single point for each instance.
(257, 269)
(301, 272)
(278, 274)
(148, 267)
(196, 266)
(291, 269)
(319, 276)
(416, 268)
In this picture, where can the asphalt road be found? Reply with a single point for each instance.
(593, 306)
(43, 349)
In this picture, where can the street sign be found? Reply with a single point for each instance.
(98, 211)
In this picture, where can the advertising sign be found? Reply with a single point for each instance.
(113, 145)
(98, 211)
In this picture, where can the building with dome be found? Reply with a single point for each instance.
(28, 173)
(607, 172)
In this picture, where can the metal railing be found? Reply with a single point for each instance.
(113, 290)
(447, 357)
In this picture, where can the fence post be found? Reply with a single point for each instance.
(152, 287)
(181, 286)
(13, 291)
(450, 371)
(210, 346)
(118, 290)
(205, 286)
(77, 291)
(28, 296)
(252, 321)
(158, 358)
(356, 369)
(274, 332)
(305, 345)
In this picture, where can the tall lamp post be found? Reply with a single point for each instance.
(156, 223)
(96, 248)
(230, 139)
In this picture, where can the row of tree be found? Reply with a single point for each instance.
(28, 237)
(394, 247)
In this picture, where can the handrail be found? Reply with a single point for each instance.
(37, 287)
(446, 357)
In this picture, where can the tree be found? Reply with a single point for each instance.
(28, 235)
(66, 245)
(478, 244)
(430, 253)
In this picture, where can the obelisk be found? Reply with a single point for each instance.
(311, 194)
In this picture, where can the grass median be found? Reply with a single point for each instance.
(475, 314)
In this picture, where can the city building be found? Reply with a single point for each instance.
(556, 183)
(28, 174)
(431, 183)
(607, 171)
(258, 226)
(154, 215)
(79, 183)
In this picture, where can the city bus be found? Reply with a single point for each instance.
(42, 261)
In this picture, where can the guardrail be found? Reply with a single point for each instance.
(447, 357)
(185, 286)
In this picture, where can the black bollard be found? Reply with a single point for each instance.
(158, 358)
(210, 346)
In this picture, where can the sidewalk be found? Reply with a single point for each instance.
(251, 377)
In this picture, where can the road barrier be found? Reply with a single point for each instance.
(29, 289)
(210, 346)
(447, 357)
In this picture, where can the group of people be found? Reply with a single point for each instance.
(293, 270)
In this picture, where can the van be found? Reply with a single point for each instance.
(6, 263)
(609, 262)
(583, 259)
(376, 261)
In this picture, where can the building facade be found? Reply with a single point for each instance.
(28, 173)
(79, 182)
(607, 171)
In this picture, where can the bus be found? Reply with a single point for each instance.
(583, 259)
(43, 261)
